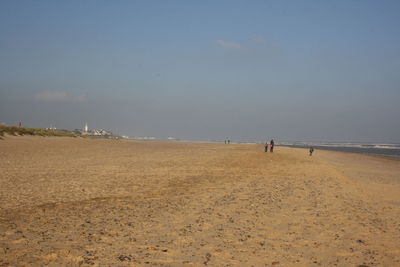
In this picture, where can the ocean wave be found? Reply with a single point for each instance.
(349, 145)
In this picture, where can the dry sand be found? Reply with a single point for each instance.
(74, 201)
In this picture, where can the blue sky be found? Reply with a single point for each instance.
(201, 70)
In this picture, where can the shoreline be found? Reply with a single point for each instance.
(361, 151)
(316, 150)
(316, 147)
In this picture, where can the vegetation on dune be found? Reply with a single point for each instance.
(14, 130)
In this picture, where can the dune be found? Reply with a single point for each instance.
(74, 201)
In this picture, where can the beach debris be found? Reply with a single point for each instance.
(90, 257)
(124, 257)
(208, 258)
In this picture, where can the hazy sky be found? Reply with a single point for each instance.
(244, 70)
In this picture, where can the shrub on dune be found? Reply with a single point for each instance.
(13, 130)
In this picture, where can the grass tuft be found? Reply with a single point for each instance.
(15, 131)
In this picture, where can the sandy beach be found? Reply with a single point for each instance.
(82, 202)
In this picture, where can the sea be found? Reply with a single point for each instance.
(384, 149)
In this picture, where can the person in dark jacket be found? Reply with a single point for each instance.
(271, 145)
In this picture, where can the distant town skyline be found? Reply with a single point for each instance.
(209, 70)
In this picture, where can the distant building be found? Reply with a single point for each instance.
(95, 132)
(99, 132)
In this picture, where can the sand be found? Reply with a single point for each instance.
(75, 201)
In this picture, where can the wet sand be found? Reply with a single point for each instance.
(75, 201)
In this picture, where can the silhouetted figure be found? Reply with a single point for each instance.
(266, 147)
(271, 145)
(311, 150)
(229, 141)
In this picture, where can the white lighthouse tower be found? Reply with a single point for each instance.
(86, 129)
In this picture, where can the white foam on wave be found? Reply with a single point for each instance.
(350, 145)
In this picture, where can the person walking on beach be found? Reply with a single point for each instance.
(271, 145)
(266, 147)
(311, 150)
